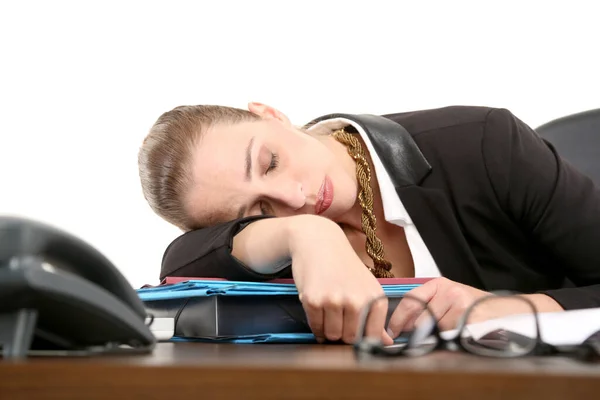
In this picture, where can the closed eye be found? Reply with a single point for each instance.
(273, 164)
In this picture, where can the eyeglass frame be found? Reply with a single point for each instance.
(589, 350)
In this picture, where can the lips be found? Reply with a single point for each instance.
(324, 197)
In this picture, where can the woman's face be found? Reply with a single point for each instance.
(269, 167)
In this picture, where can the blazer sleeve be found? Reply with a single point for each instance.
(550, 199)
(206, 253)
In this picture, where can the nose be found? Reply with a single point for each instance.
(288, 198)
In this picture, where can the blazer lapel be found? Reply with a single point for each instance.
(395, 147)
(428, 208)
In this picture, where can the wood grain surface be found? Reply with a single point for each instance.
(267, 371)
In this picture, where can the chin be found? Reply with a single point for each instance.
(337, 212)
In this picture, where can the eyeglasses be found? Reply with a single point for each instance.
(417, 332)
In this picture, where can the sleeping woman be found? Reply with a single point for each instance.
(469, 196)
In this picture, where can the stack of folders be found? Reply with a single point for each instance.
(198, 309)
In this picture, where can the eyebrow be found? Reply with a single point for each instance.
(248, 175)
(249, 160)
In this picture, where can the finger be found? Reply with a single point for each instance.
(449, 303)
(386, 338)
(450, 319)
(422, 331)
(428, 290)
(376, 318)
(333, 319)
(314, 315)
(407, 312)
(351, 323)
(423, 326)
(439, 306)
(404, 316)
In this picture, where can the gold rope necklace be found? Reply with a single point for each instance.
(381, 267)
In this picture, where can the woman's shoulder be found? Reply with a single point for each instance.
(434, 119)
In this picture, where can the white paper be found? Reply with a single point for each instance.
(557, 328)
(163, 329)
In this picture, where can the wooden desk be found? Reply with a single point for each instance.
(195, 371)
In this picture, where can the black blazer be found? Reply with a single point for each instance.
(496, 206)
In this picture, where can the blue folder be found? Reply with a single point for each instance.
(195, 288)
(199, 288)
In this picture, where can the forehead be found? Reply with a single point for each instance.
(218, 170)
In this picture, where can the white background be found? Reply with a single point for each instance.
(81, 83)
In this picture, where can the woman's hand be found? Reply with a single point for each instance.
(333, 284)
(449, 300)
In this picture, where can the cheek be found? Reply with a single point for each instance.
(306, 155)
(318, 153)
(345, 191)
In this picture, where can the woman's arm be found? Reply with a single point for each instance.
(266, 246)
(208, 253)
(333, 284)
(552, 201)
(251, 248)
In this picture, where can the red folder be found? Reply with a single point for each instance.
(169, 280)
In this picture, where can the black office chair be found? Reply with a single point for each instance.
(577, 139)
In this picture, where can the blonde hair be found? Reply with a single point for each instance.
(164, 159)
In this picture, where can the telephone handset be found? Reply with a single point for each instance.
(59, 295)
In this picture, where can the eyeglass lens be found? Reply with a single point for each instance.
(412, 326)
(488, 332)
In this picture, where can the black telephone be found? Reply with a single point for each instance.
(59, 295)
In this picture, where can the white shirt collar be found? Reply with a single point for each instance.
(393, 209)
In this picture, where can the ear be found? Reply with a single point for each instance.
(268, 112)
